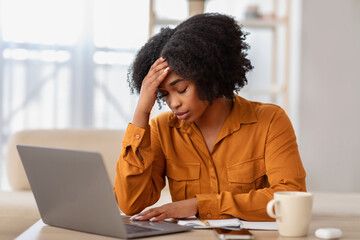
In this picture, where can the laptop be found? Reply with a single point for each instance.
(72, 190)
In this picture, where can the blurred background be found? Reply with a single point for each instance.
(63, 64)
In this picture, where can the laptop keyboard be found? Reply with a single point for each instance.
(130, 228)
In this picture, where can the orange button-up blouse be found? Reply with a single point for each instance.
(255, 155)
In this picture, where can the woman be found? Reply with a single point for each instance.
(224, 156)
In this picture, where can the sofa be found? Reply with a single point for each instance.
(18, 209)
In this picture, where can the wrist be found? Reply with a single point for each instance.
(141, 118)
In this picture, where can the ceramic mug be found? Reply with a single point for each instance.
(292, 212)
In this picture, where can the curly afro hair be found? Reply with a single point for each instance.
(208, 49)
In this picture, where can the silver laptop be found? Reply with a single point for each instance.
(73, 191)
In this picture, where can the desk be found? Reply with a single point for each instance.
(350, 226)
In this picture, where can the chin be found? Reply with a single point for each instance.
(189, 120)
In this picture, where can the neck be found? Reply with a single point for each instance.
(215, 115)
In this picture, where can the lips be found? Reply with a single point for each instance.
(182, 115)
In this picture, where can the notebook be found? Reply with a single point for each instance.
(73, 191)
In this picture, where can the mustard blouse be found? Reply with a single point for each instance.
(255, 155)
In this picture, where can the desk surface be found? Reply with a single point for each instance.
(349, 225)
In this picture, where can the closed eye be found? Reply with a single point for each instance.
(182, 90)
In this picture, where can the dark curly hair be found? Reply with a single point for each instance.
(208, 49)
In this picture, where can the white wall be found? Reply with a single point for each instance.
(329, 105)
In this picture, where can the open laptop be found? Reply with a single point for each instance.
(73, 191)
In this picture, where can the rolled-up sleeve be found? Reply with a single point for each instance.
(139, 171)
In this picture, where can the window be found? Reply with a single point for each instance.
(63, 63)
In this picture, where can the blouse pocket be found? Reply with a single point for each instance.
(246, 176)
(184, 179)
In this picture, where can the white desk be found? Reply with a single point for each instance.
(330, 210)
(350, 226)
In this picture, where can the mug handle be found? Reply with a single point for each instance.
(270, 208)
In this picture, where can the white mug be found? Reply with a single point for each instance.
(292, 212)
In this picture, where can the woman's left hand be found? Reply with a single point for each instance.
(180, 209)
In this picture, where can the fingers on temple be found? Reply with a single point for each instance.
(158, 68)
(158, 65)
(158, 77)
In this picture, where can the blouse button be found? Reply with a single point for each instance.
(137, 136)
(208, 215)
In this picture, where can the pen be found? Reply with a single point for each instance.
(205, 222)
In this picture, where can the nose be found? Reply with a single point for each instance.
(173, 102)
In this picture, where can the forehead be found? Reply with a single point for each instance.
(171, 77)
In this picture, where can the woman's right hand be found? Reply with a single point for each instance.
(148, 92)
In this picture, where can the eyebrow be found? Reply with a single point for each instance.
(174, 82)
